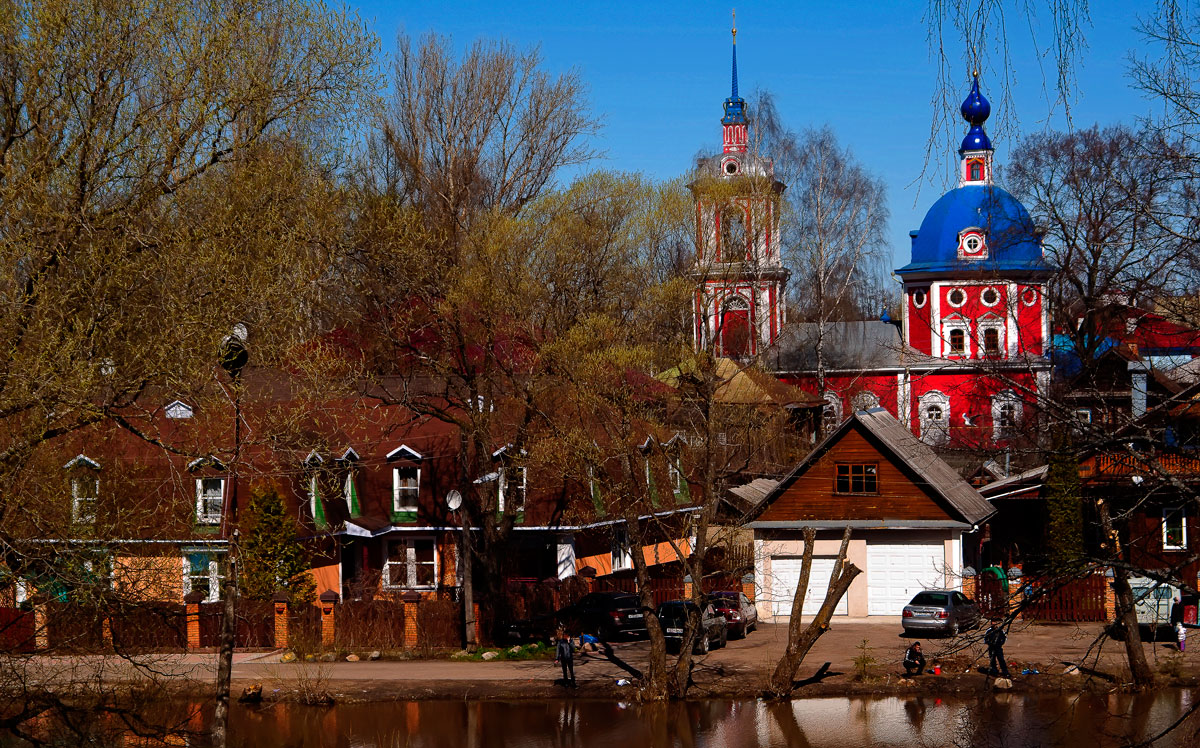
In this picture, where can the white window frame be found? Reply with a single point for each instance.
(178, 410)
(1169, 513)
(833, 404)
(348, 488)
(1083, 416)
(924, 294)
(214, 575)
(864, 401)
(410, 563)
(622, 551)
(999, 401)
(522, 486)
(948, 326)
(965, 236)
(957, 290)
(985, 291)
(314, 494)
(991, 322)
(203, 517)
(931, 434)
(674, 475)
(402, 492)
(83, 504)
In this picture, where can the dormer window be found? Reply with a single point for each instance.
(972, 245)
(210, 498)
(177, 410)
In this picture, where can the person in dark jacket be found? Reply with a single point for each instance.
(914, 661)
(564, 654)
(994, 638)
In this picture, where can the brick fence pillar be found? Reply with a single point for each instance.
(329, 601)
(412, 603)
(748, 587)
(1110, 598)
(687, 587)
(969, 582)
(192, 600)
(106, 631)
(41, 626)
(281, 619)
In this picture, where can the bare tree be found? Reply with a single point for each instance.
(1116, 223)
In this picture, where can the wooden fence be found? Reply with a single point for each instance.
(255, 624)
(1071, 601)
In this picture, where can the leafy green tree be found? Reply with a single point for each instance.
(271, 556)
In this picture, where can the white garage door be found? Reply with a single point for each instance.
(897, 571)
(786, 573)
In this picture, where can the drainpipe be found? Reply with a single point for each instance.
(1137, 388)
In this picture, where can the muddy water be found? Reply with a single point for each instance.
(1004, 720)
(1011, 721)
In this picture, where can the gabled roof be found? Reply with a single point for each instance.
(746, 386)
(910, 452)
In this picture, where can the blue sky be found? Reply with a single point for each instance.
(658, 72)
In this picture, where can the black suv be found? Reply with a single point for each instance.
(606, 614)
(673, 615)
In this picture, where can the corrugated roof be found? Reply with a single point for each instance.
(917, 456)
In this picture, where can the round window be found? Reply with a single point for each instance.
(990, 296)
(919, 298)
(731, 167)
(973, 244)
(1029, 296)
(957, 297)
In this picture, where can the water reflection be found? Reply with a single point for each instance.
(1008, 720)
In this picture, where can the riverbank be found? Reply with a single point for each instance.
(1070, 657)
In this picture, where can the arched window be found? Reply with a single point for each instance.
(935, 417)
(865, 401)
(958, 341)
(831, 415)
(735, 328)
(1007, 410)
(733, 234)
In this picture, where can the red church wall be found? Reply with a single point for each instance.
(971, 395)
(1029, 319)
(917, 327)
(847, 386)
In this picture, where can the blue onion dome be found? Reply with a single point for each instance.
(975, 110)
(1014, 246)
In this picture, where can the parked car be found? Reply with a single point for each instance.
(605, 614)
(741, 617)
(940, 611)
(673, 617)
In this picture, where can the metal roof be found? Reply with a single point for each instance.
(912, 453)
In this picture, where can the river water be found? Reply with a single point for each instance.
(994, 720)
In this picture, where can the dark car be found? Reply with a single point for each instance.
(605, 614)
(941, 611)
(741, 617)
(673, 615)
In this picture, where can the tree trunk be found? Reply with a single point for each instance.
(468, 587)
(801, 638)
(1139, 669)
(220, 729)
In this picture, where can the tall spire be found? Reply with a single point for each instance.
(734, 95)
(735, 106)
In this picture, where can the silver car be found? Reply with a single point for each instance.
(940, 611)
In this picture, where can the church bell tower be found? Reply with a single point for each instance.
(739, 304)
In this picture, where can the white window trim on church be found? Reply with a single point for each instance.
(991, 322)
(934, 432)
(865, 401)
(968, 234)
(833, 404)
(999, 401)
(956, 323)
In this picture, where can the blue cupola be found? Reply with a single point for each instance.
(975, 110)
(977, 228)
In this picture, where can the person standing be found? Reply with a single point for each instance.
(995, 637)
(1177, 622)
(564, 654)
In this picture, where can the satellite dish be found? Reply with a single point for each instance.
(454, 500)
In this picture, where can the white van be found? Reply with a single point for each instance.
(1153, 601)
